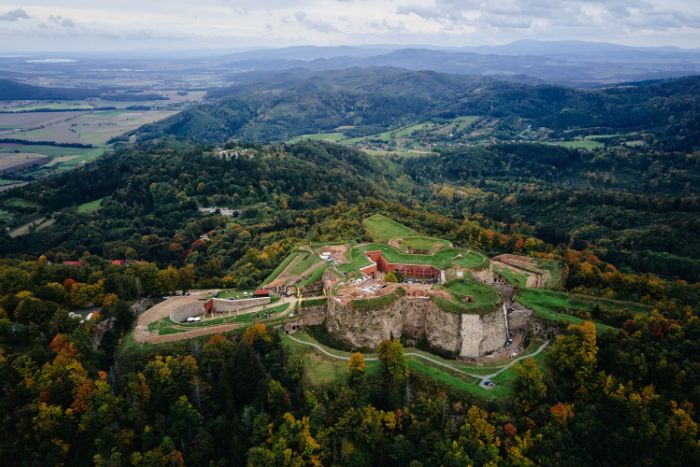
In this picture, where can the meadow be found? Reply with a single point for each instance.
(383, 229)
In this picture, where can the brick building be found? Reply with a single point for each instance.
(409, 271)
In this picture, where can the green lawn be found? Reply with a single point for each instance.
(4, 181)
(484, 298)
(553, 306)
(422, 243)
(314, 277)
(303, 262)
(235, 294)
(383, 229)
(518, 279)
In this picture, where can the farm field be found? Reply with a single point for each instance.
(12, 125)
(94, 128)
(383, 229)
(16, 161)
(587, 144)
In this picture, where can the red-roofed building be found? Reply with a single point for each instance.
(119, 262)
(72, 263)
(261, 293)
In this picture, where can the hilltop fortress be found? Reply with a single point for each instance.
(420, 289)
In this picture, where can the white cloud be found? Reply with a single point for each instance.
(130, 24)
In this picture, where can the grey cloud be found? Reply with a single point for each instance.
(15, 15)
(314, 25)
(61, 21)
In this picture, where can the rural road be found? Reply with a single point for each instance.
(482, 378)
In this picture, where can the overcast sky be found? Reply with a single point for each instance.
(93, 25)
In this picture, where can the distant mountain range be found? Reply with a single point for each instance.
(573, 63)
(570, 63)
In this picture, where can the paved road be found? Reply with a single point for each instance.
(487, 378)
(482, 378)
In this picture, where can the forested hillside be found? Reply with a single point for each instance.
(636, 209)
(366, 101)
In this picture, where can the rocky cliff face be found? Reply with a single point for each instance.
(467, 335)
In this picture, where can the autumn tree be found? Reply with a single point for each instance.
(530, 389)
(394, 368)
(574, 355)
(356, 365)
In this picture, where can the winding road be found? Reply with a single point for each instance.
(484, 380)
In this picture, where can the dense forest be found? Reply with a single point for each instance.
(619, 399)
(620, 219)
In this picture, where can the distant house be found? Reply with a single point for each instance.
(119, 262)
(261, 293)
(72, 263)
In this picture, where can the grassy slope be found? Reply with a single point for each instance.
(548, 305)
(484, 298)
(383, 229)
(441, 259)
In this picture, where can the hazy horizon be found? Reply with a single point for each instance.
(42, 26)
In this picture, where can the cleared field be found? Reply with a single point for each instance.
(13, 124)
(588, 145)
(29, 226)
(94, 128)
(16, 161)
(5, 181)
(91, 206)
(334, 137)
(382, 229)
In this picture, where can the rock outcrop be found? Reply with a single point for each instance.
(466, 335)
